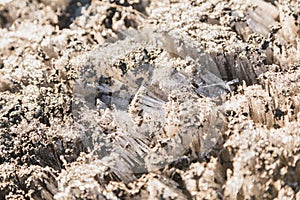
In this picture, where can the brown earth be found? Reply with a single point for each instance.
(202, 99)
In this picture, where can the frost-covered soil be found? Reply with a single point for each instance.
(149, 100)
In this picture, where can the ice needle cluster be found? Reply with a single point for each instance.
(158, 98)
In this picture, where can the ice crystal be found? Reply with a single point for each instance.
(156, 109)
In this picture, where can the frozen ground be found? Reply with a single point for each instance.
(149, 100)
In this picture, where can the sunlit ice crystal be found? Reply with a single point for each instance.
(157, 110)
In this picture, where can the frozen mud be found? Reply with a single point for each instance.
(149, 99)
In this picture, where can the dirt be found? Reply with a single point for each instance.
(149, 99)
